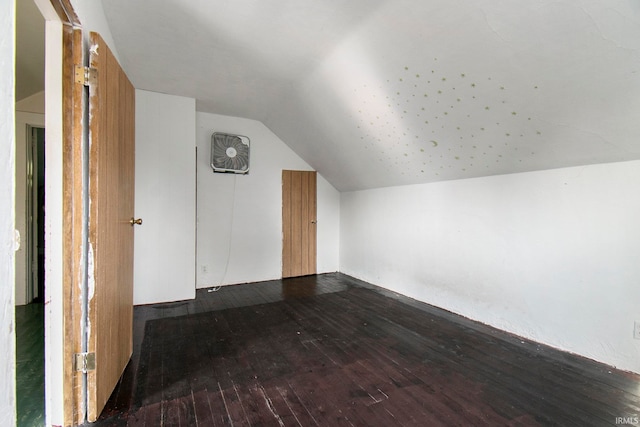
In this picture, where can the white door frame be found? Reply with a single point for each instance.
(54, 325)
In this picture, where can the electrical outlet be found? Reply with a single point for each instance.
(636, 329)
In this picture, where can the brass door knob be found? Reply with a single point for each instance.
(134, 221)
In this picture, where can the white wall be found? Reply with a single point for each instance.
(240, 216)
(551, 255)
(328, 226)
(165, 243)
(7, 171)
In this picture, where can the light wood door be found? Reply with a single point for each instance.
(298, 223)
(111, 201)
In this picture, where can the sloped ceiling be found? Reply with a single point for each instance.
(376, 93)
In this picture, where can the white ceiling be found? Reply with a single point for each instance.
(377, 93)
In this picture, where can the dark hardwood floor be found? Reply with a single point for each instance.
(330, 350)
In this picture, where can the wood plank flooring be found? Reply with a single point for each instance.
(330, 350)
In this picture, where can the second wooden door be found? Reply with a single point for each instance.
(298, 223)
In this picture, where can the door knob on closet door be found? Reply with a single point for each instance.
(134, 221)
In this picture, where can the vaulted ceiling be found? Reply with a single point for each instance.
(377, 93)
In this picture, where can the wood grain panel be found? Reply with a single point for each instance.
(298, 223)
(304, 223)
(286, 223)
(111, 192)
(311, 221)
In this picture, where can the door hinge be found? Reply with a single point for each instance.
(84, 362)
(85, 75)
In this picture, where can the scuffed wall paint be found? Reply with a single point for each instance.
(435, 122)
(7, 220)
(548, 255)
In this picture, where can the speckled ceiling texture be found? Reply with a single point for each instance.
(435, 120)
(381, 93)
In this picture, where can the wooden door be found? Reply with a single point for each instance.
(298, 223)
(111, 201)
